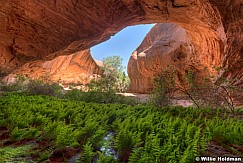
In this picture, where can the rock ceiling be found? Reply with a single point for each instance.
(33, 30)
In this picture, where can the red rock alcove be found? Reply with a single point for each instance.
(35, 31)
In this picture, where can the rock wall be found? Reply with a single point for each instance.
(77, 68)
(169, 46)
(42, 30)
(231, 14)
(165, 46)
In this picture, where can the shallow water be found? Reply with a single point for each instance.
(107, 147)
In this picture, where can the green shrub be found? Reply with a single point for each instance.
(160, 95)
(17, 86)
(202, 90)
(99, 97)
(37, 87)
(14, 154)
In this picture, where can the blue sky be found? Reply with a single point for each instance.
(122, 44)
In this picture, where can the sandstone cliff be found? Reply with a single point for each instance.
(165, 46)
(43, 30)
(77, 68)
(169, 46)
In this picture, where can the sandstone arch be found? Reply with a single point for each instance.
(42, 30)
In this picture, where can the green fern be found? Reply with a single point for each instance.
(87, 154)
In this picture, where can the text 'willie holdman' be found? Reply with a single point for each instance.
(219, 159)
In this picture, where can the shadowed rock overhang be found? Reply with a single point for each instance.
(42, 30)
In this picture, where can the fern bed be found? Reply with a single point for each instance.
(42, 128)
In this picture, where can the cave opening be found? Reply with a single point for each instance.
(147, 50)
(51, 40)
(122, 43)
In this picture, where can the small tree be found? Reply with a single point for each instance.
(114, 77)
(201, 90)
(159, 96)
(164, 87)
(103, 84)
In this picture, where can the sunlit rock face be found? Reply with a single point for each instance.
(164, 46)
(171, 47)
(78, 68)
(42, 30)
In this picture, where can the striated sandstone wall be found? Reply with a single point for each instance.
(42, 30)
(171, 46)
(166, 45)
(78, 68)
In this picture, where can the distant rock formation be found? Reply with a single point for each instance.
(78, 68)
(169, 46)
(164, 46)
